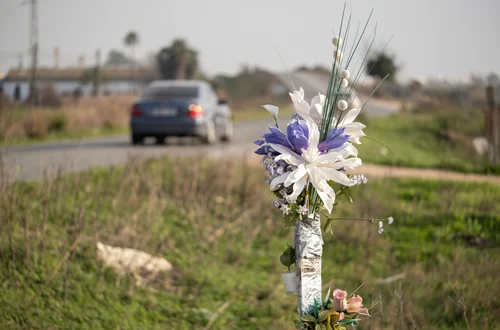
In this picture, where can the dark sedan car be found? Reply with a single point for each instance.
(180, 108)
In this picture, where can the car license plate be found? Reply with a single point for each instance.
(164, 112)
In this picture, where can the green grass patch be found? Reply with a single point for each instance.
(214, 222)
(430, 140)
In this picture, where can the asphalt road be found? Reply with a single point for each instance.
(34, 161)
(31, 162)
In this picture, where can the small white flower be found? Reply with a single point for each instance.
(345, 74)
(337, 41)
(337, 54)
(380, 231)
(390, 220)
(343, 105)
(285, 209)
(272, 109)
(303, 209)
(344, 83)
(291, 199)
(380, 224)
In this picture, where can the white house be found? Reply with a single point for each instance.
(66, 81)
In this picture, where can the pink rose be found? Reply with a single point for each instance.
(339, 300)
(354, 305)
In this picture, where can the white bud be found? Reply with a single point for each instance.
(344, 83)
(337, 54)
(342, 105)
(345, 74)
(337, 41)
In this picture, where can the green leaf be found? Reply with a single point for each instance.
(323, 315)
(326, 297)
(308, 318)
(328, 326)
(328, 225)
(288, 257)
(350, 198)
(318, 327)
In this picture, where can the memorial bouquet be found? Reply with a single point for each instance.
(308, 162)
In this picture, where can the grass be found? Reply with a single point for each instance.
(428, 140)
(223, 236)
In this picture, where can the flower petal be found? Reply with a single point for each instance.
(272, 109)
(327, 195)
(287, 155)
(296, 175)
(278, 180)
(337, 176)
(313, 133)
(298, 187)
(351, 115)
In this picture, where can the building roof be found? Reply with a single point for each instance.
(108, 73)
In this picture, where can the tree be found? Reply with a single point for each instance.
(381, 65)
(131, 40)
(116, 57)
(177, 61)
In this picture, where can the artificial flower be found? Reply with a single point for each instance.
(315, 167)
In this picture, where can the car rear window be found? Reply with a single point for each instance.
(154, 93)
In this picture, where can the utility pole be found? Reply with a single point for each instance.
(97, 73)
(34, 51)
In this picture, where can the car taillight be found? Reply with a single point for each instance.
(195, 110)
(136, 111)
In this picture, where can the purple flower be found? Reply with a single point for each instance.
(335, 139)
(276, 137)
(297, 135)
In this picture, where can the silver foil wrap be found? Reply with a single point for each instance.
(308, 243)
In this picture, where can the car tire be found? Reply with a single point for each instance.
(227, 135)
(210, 133)
(160, 139)
(137, 139)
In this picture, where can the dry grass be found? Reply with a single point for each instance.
(74, 117)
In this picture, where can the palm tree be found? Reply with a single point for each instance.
(132, 40)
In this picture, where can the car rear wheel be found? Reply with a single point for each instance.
(160, 139)
(227, 135)
(210, 134)
(137, 139)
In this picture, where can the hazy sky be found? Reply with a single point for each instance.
(431, 37)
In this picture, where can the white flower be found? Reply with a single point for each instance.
(353, 129)
(380, 231)
(272, 109)
(390, 220)
(344, 83)
(316, 168)
(343, 105)
(285, 209)
(337, 41)
(380, 224)
(345, 74)
(315, 110)
(303, 209)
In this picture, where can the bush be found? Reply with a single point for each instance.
(58, 123)
(36, 125)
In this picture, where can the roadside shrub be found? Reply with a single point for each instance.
(58, 123)
(36, 125)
